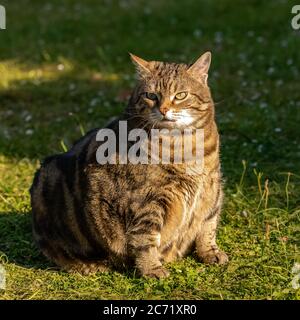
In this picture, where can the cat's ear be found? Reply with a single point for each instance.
(142, 66)
(199, 69)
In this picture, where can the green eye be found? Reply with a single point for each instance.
(151, 96)
(181, 95)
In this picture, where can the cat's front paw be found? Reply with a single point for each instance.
(157, 273)
(215, 257)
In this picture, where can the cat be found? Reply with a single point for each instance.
(89, 217)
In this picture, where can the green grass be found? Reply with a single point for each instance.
(58, 58)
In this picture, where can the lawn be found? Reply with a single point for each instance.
(64, 69)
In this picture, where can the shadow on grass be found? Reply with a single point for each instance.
(36, 118)
(16, 241)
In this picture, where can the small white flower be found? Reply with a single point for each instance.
(124, 4)
(296, 280)
(29, 132)
(255, 96)
(271, 70)
(94, 102)
(72, 86)
(277, 129)
(216, 74)
(197, 33)
(147, 11)
(296, 268)
(263, 105)
(2, 277)
(218, 37)
(28, 118)
(260, 39)
(6, 134)
(244, 213)
(284, 43)
(242, 56)
(60, 67)
(266, 91)
(48, 7)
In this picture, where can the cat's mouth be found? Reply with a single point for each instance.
(166, 123)
(166, 120)
(173, 119)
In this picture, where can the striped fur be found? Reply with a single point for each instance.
(89, 217)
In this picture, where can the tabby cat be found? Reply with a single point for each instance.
(89, 217)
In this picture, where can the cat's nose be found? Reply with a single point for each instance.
(163, 109)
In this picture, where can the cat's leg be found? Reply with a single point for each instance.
(206, 246)
(144, 240)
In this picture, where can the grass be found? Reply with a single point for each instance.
(64, 69)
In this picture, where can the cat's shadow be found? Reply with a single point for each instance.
(16, 241)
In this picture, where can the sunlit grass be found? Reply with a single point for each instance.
(11, 71)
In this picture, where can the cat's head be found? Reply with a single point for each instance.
(171, 95)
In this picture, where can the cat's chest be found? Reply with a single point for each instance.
(193, 205)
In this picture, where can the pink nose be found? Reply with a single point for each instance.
(163, 110)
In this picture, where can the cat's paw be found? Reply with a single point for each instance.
(157, 273)
(215, 257)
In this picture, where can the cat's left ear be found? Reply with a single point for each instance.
(142, 66)
(199, 70)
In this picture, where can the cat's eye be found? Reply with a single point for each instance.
(151, 96)
(181, 95)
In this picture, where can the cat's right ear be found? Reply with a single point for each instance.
(142, 66)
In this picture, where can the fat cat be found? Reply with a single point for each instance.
(89, 217)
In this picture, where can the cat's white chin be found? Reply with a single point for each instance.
(180, 119)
